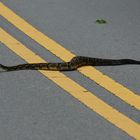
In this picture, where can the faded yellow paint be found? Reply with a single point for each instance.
(74, 89)
(103, 80)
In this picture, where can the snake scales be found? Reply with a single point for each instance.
(73, 64)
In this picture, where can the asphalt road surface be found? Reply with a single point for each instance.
(33, 107)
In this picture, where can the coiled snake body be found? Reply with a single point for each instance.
(73, 64)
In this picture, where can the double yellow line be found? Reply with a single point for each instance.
(90, 72)
(60, 79)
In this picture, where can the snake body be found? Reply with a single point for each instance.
(73, 64)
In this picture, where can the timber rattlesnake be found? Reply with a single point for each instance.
(73, 64)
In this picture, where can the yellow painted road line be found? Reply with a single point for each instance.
(103, 80)
(74, 89)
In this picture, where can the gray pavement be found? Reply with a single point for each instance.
(33, 107)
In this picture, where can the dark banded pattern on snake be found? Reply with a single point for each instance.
(73, 64)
